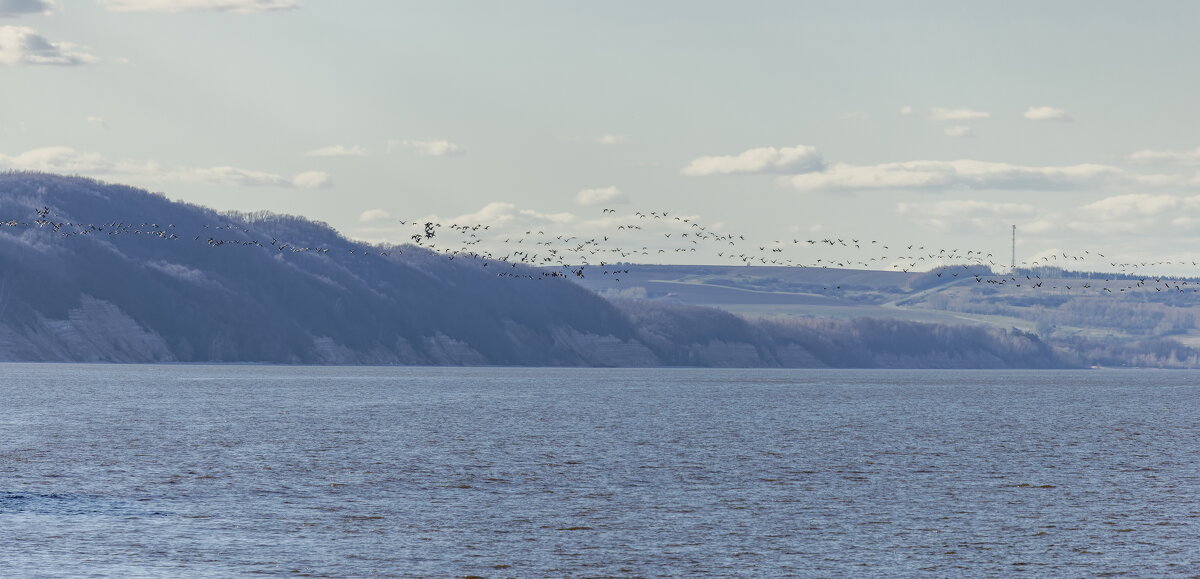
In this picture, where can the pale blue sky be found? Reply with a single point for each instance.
(217, 102)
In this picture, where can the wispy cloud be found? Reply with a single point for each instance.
(1167, 157)
(337, 151)
(374, 215)
(798, 159)
(433, 148)
(502, 214)
(97, 122)
(601, 195)
(961, 174)
(1138, 205)
(1141, 214)
(612, 139)
(23, 45)
(906, 110)
(1047, 114)
(855, 116)
(312, 180)
(944, 114)
(69, 161)
(959, 131)
(803, 169)
(966, 215)
(14, 8)
(235, 6)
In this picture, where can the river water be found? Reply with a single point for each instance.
(502, 472)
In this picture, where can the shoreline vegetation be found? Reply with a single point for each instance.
(95, 272)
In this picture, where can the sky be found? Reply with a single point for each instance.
(934, 123)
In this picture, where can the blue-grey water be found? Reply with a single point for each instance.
(354, 472)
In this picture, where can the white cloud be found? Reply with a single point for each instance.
(13, 8)
(958, 207)
(961, 174)
(959, 131)
(337, 151)
(1138, 205)
(374, 215)
(224, 175)
(97, 122)
(1047, 114)
(603, 195)
(433, 148)
(966, 215)
(59, 160)
(23, 45)
(235, 6)
(1049, 225)
(854, 116)
(506, 218)
(1142, 214)
(1168, 157)
(612, 140)
(798, 159)
(495, 213)
(501, 214)
(69, 161)
(906, 110)
(312, 180)
(944, 114)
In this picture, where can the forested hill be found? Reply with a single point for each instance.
(99, 272)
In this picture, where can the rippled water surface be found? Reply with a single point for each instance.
(235, 470)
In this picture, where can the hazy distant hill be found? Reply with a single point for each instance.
(1112, 319)
(98, 272)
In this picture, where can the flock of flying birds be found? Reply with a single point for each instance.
(659, 237)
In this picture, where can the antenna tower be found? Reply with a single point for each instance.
(1014, 248)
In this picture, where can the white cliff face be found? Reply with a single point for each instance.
(607, 351)
(573, 347)
(96, 331)
(721, 354)
(446, 351)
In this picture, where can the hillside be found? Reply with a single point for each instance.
(98, 272)
(119, 274)
(1105, 318)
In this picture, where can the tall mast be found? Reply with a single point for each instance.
(1014, 248)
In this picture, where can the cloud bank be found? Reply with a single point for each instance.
(803, 169)
(961, 174)
(1167, 157)
(798, 159)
